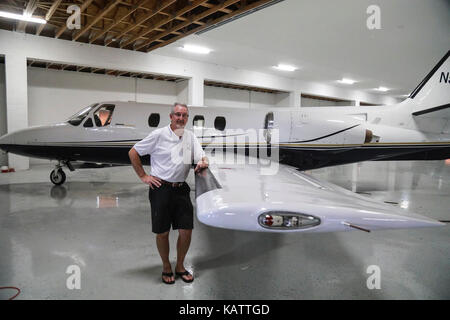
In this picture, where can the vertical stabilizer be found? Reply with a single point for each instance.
(433, 93)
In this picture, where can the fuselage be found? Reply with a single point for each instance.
(306, 138)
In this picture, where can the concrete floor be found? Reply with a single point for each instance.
(99, 220)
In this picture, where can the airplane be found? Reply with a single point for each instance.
(240, 196)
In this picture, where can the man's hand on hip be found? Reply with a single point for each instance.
(151, 181)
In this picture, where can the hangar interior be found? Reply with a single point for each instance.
(131, 51)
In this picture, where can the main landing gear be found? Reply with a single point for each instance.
(57, 176)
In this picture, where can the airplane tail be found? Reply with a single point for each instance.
(431, 98)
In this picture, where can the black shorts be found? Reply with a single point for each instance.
(171, 206)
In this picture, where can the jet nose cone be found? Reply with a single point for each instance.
(6, 141)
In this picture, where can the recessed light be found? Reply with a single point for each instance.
(196, 49)
(382, 89)
(285, 67)
(347, 81)
(27, 18)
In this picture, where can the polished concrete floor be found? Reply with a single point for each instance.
(99, 221)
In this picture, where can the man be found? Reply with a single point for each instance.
(172, 150)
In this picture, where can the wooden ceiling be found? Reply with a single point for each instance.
(87, 69)
(143, 25)
(35, 63)
(240, 87)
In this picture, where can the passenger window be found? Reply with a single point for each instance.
(88, 123)
(153, 120)
(220, 123)
(103, 115)
(199, 121)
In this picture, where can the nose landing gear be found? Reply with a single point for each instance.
(57, 176)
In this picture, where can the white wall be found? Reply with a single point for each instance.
(183, 91)
(309, 102)
(238, 98)
(56, 95)
(3, 129)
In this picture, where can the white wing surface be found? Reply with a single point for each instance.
(239, 197)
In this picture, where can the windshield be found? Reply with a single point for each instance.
(76, 119)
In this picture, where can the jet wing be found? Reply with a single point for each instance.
(240, 197)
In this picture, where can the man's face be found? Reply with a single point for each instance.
(179, 117)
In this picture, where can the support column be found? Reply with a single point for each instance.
(183, 91)
(196, 91)
(16, 102)
(295, 99)
(3, 130)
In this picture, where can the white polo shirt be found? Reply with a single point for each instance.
(170, 156)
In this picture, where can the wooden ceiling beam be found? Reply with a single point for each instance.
(12, 2)
(186, 19)
(210, 23)
(48, 15)
(209, 5)
(11, 8)
(162, 22)
(97, 18)
(158, 7)
(83, 7)
(186, 23)
(118, 21)
(31, 6)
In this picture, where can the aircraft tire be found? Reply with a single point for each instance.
(57, 177)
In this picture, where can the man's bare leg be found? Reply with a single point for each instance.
(162, 242)
(183, 243)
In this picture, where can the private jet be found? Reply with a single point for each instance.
(267, 191)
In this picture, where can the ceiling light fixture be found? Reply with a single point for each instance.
(347, 81)
(23, 17)
(196, 49)
(285, 67)
(382, 89)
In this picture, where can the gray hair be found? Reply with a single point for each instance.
(178, 104)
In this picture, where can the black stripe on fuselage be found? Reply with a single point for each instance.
(328, 135)
(419, 113)
(304, 158)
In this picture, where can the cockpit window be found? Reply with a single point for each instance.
(77, 118)
(103, 115)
